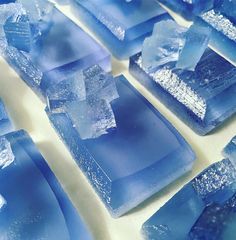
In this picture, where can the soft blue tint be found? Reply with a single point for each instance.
(5, 124)
(120, 25)
(203, 98)
(230, 150)
(188, 8)
(32, 203)
(59, 48)
(196, 42)
(143, 154)
(203, 209)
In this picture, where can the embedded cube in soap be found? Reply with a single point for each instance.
(202, 209)
(126, 165)
(121, 26)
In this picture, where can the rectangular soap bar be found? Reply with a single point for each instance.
(5, 123)
(33, 205)
(202, 209)
(121, 25)
(203, 98)
(59, 48)
(143, 154)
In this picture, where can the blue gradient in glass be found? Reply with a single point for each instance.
(203, 99)
(120, 25)
(140, 157)
(36, 205)
(203, 209)
(5, 124)
(61, 49)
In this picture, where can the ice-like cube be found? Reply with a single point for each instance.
(5, 124)
(18, 32)
(6, 154)
(92, 117)
(164, 45)
(195, 44)
(203, 209)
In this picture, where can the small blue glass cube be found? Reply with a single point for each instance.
(5, 123)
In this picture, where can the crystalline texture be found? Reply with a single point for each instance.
(203, 209)
(59, 49)
(51, 215)
(120, 25)
(5, 124)
(126, 165)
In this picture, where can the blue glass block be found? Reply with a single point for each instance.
(223, 36)
(18, 33)
(126, 165)
(227, 8)
(202, 209)
(6, 1)
(230, 150)
(121, 26)
(196, 42)
(61, 49)
(188, 8)
(45, 213)
(5, 124)
(203, 99)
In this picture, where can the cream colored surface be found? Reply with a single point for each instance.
(27, 112)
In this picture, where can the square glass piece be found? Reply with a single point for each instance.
(203, 98)
(33, 205)
(143, 154)
(58, 47)
(120, 25)
(202, 209)
(5, 124)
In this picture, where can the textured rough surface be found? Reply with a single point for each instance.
(44, 46)
(51, 215)
(120, 25)
(203, 209)
(125, 165)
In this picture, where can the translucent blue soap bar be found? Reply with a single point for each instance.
(120, 25)
(32, 203)
(188, 9)
(142, 154)
(203, 209)
(54, 48)
(5, 124)
(203, 98)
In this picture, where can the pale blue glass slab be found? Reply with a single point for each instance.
(33, 205)
(121, 26)
(143, 154)
(202, 209)
(203, 99)
(5, 123)
(59, 48)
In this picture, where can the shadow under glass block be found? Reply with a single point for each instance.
(34, 206)
(202, 209)
(5, 124)
(120, 25)
(137, 159)
(61, 49)
(203, 99)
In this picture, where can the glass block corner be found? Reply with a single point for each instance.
(5, 123)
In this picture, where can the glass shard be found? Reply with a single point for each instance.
(203, 209)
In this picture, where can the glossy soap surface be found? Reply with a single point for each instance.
(132, 162)
(120, 25)
(45, 213)
(203, 209)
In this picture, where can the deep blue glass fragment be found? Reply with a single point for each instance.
(126, 165)
(203, 98)
(120, 25)
(5, 124)
(57, 47)
(204, 209)
(32, 203)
